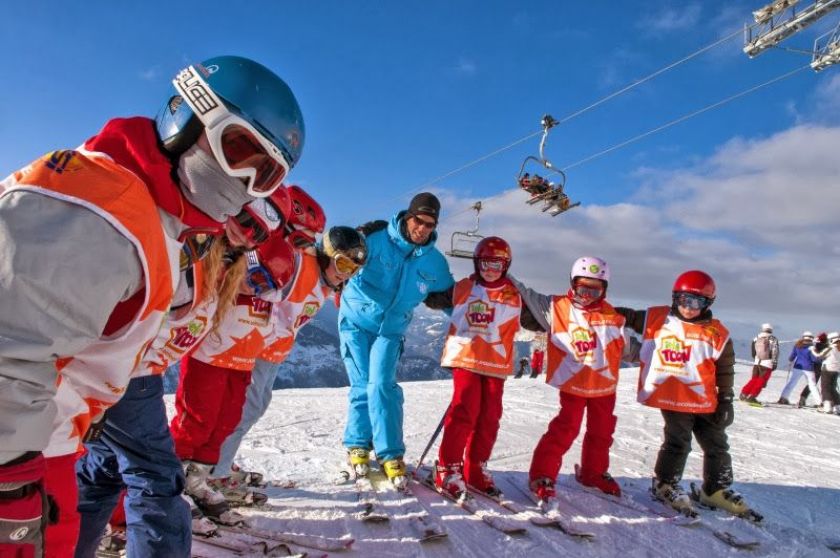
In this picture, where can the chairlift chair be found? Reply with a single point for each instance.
(462, 243)
(555, 201)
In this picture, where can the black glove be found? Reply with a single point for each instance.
(725, 412)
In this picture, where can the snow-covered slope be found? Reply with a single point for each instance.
(786, 464)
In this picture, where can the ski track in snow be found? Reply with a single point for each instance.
(785, 460)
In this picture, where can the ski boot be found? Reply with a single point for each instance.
(673, 495)
(725, 499)
(237, 494)
(542, 489)
(247, 478)
(112, 544)
(395, 470)
(783, 401)
(603, 482)
(200, 525)
(211, 502)
(359, 461)
(449, 480)
(481, 480)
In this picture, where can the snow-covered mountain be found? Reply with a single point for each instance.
(785, 462)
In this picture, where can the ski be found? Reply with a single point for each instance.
(240, 548)
(317, 542)
(471, 505)
(371, 507)
(673, 516)
(541, 517)
(421, 523)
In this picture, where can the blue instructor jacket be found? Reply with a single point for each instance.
(397, 276)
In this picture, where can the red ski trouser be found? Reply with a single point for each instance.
(564, 428)
(60, 483)
(208, 406)
(472, 421)
(760, 377)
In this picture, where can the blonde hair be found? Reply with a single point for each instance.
(222, 280)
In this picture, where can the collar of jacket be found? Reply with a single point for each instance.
(133, 143)
(405, 245)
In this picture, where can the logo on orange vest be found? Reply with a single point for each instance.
(259, 308)
(673, 352)
(308, 312)
(60, 161)
(480, 314)
(584, 342)
(183, 338)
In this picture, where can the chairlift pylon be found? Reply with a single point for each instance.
(541, 189)
(462, 243)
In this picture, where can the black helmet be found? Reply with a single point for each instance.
(344, 242)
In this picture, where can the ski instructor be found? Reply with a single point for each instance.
(402, 269)
(90, 243)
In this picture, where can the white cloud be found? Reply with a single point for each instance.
(760, 215)
(669, 20)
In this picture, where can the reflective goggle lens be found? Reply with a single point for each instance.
(588, 293)
(242, 150)
(345, 265)
(252, 227)
(260, 280)
(693, 301)
(491, 265)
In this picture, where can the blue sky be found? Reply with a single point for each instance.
(396, 93)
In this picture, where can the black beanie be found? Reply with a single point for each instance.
(425, 203)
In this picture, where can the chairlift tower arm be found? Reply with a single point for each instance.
(773, 27)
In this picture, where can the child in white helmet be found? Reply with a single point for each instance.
(585, 346)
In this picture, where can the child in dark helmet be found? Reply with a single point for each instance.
(687, 371)
(479, 350)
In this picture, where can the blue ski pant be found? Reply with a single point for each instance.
(375, 414)
(135, 451)
(257, 399)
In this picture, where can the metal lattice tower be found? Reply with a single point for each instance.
(827, 50)
(779, 20)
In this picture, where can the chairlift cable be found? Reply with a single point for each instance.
(684, 118)
(568, 117)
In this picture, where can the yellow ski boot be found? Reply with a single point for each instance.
(396, 472)
(359, 461)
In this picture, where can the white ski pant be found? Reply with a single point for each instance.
(257, 399)
(795, 375)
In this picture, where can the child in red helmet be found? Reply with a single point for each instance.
(479, 349)
(687, 371)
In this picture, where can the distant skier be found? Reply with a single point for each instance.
(819, 347)
(803, 360)
(537, 359)
(765, 353)
(479, 349)
(831, 370)
(403, 268)
(687, 371)
(523, 364)
(585, 347)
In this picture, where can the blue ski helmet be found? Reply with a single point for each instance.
(248, 89)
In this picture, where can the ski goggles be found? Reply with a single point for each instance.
(257, 276)
(345, 264)
(585, 292)
(195, 247)
(240, 149)
(491, 265)
(259, 219)
(692, 301)
(431, 225)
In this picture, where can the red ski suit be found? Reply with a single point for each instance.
(479, 349)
